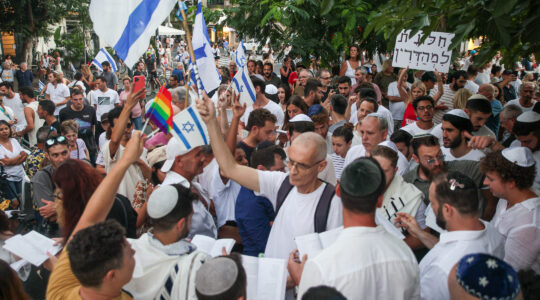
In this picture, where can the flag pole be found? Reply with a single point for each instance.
(190, 48)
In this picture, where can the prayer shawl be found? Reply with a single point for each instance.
(160, 274)
(400, 196)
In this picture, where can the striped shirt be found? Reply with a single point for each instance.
(339, 163)
(447, 99)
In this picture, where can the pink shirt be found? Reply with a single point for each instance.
(159, 139)
(136, 111)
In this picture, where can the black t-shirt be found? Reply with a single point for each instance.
(150, 64)
(55, 125)
(123, 212)
(86, 118)
(248, 149)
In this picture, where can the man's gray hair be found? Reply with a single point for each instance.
(179, 93)
(362, 69)
(312, 139)
(511, 111)
(383, 123)
(42, 134)
(535, 87)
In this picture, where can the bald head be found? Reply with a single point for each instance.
(486, 90)
(314, 141)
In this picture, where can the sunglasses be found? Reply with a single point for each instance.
(55, 141)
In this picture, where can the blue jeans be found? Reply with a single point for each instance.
(11, 189)
(137, 122)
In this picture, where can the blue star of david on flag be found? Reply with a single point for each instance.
(188, 127)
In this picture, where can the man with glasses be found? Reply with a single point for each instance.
(296, 195)
(303, 76)
(424, 108)
(427, 153)
(325, 77)
(56, 152)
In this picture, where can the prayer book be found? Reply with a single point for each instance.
(32, 247)
(212, 246)
(313, 243)
(266, 277)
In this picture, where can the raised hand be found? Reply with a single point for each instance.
(238, 108)
(133, 98)
(134, 148)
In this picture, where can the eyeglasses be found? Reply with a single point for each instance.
(432, 161)
(421, 108)
(55, 141)
(326, 78)
(300, 166)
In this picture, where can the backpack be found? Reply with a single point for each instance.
(323, 206)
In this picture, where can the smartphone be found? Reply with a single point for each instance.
(138, 83)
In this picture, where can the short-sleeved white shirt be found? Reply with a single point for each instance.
(474, 154)
(105, 101)
(447, 99)
(16, 172)
(57, 95)
(520, 225)
(413, 129)
(396, 108)
(296, 215)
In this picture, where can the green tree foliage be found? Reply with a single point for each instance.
(32, 18)
(323, 28)
(508, 26)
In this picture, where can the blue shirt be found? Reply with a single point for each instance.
(178, 73)
(24, 78)
(253, 216)
(493, 122)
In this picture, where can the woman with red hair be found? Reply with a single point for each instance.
(76, 180)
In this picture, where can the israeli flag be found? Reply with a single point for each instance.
(242, 84)
(189, 128)
(240, 55)
(204, 57)
(41, 85)
(102, 56)
(72, 68)
(127, 25)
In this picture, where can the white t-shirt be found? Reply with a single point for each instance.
(17, 108)
(271, 106)
(16, 172)
(105, 101)
(296, 215)
(396, 108)
(473, 154)
(57, 95)
(133, 174)
(523, 108)
(413, 129)
(7, 114)
(447, 99)
(472, 86)
(483, 131)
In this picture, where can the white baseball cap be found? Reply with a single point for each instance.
(174, 149)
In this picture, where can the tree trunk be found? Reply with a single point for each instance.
(28, 52)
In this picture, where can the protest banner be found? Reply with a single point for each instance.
(432, 54)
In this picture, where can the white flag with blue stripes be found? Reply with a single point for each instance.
(103, 56)
(243, 85)
(240, 55)
(41, 85)
(127, 25)
(203, 53)
(190, 129)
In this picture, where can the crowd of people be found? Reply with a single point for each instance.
(452, 161)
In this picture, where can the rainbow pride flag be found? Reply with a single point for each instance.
(161, 111)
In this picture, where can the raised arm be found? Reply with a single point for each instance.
(245, 176)
(401, 80)
(102, 199)
(238, 112)
(440, 87)
(121, 123)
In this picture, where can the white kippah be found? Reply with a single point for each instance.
(521, 156)
(216, 276)
(529, 117)
(162, 201)
(478, 96)
(270, 89)
(390, 145)
(300, 118)
(458, 113)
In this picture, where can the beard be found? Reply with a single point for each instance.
(439, 219)
(455, 143)
(430, 173)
